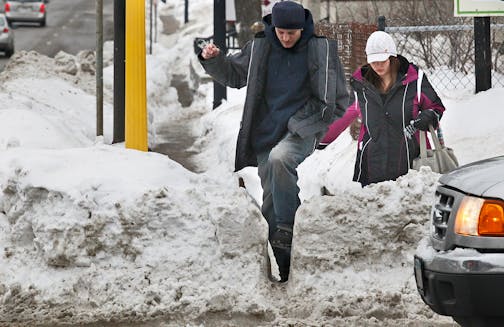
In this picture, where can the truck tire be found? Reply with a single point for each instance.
(479, 321)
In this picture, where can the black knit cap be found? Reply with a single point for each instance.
(288, 15)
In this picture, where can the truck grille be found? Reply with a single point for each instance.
(441, 215)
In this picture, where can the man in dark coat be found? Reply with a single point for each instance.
(295, 89)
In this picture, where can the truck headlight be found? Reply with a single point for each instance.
(480, 217)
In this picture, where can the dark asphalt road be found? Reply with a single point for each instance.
(71, 27)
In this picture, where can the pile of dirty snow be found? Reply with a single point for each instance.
(87, 236)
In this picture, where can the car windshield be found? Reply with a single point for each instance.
(2, 22)
(26, 0)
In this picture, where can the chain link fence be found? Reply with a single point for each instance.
(444, 52)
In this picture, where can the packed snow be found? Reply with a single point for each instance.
(93, 233)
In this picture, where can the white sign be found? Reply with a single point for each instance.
(230, 10)
(483, 8)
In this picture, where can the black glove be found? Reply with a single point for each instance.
(426, 118)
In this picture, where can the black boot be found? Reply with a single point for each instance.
(282, 237)
(283, 260)
(281, 242)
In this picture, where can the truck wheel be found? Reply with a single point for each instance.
(480, 321)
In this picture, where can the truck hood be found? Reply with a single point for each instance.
(483, 178)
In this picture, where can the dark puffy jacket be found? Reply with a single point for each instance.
(287, 86)
(384, 152)
(328, 101)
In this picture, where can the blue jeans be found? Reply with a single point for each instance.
(277, 170)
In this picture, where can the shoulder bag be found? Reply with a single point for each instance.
(440, 159)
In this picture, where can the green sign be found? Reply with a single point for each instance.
(474, 8)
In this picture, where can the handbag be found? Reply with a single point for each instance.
(441, 159)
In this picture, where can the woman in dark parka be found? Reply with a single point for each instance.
(385, 95)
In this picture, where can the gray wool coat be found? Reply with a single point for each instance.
(328, 101)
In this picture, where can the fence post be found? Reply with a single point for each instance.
(381, 23)
(482, 53)
(151, 4)
(99, 67)
(119, 69)
(220, 41)
(155, 21)
(186, 12)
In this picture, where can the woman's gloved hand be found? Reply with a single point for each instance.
(426, 118)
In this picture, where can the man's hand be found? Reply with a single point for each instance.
(210, 51)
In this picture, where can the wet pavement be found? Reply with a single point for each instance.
(177, 139)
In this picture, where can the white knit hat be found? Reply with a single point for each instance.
(380, 46)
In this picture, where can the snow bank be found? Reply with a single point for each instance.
(353, 251)
(102, 240)
(93, 233)
(59, 94)
(90, 237)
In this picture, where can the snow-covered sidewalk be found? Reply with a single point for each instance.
(92, 233)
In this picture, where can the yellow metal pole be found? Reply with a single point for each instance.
(135, 84)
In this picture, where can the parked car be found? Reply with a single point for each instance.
(6, 37)
(459, 272)
(26, 11)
